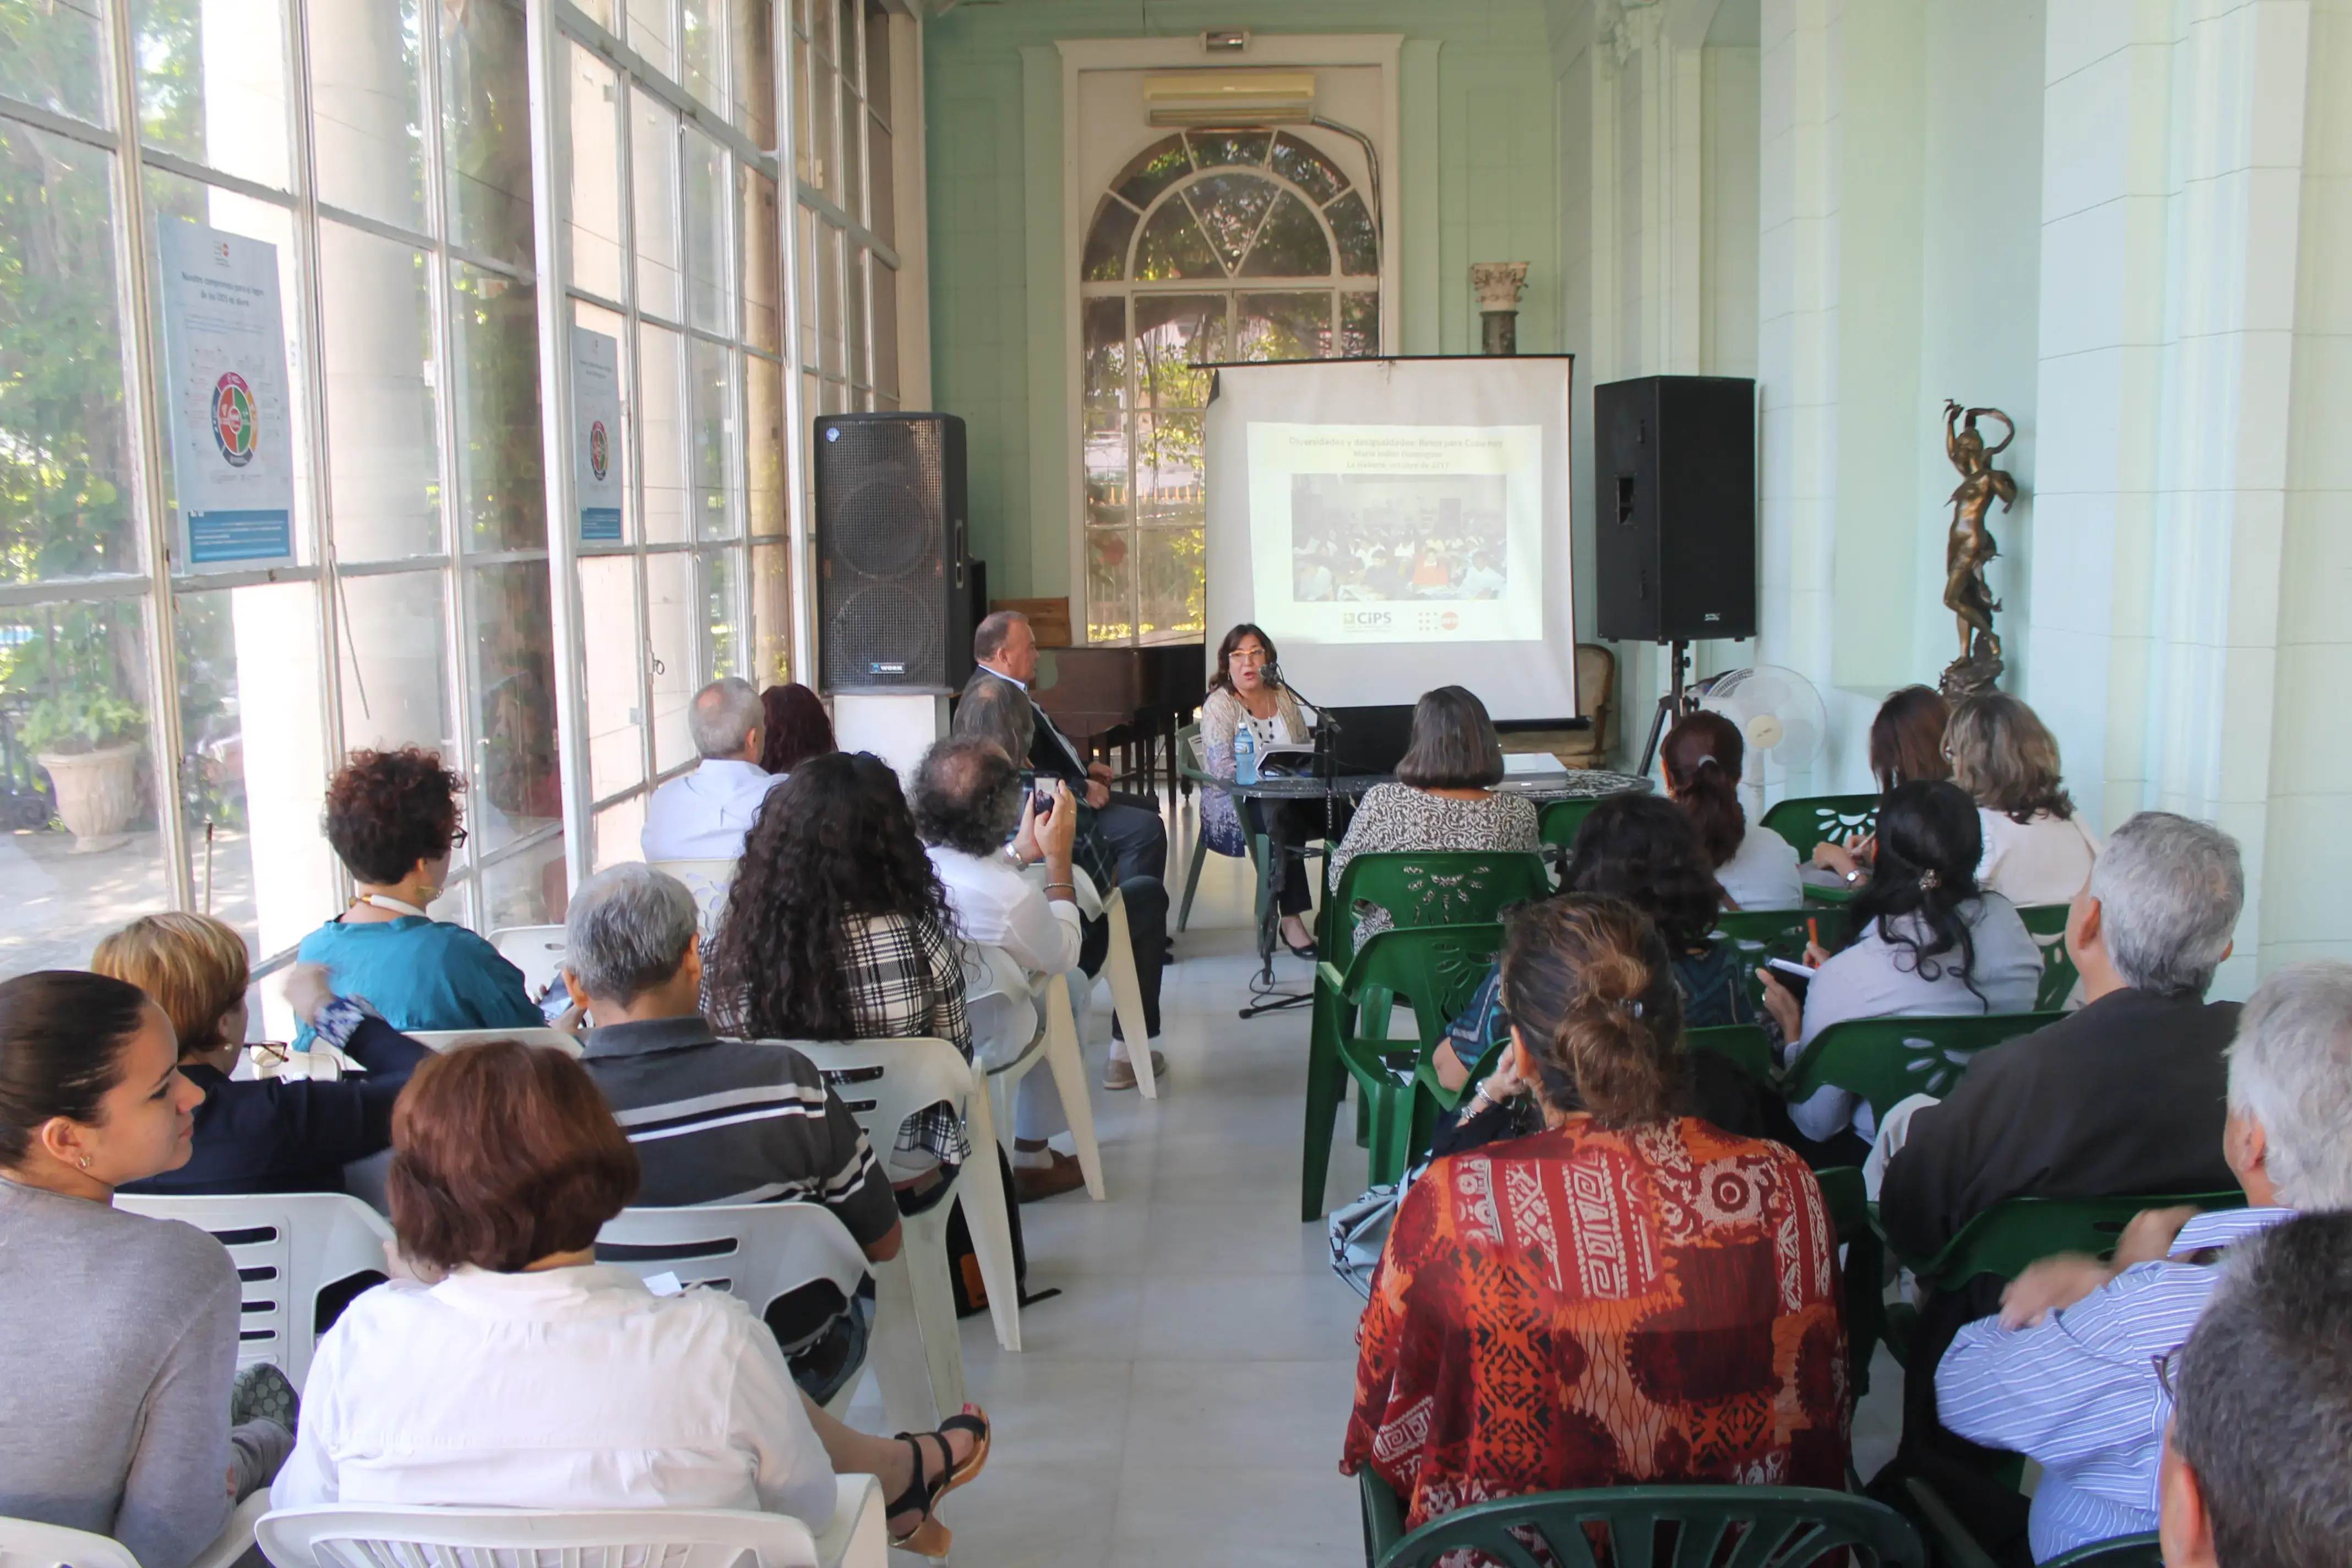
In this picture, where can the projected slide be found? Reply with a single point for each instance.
(1369, 533)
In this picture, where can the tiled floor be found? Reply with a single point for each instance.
(1182, 1400)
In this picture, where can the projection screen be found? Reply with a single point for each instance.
(1397, 525)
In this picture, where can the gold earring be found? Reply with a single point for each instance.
(85, 1162)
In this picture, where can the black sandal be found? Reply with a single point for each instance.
(928, 1536)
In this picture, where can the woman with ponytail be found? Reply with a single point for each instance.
(1627, 1296)
(1933, 944)
(1702, 759)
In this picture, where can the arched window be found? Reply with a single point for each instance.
(1210, 246)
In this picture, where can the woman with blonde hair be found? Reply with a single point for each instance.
(268, 1135)
(2035, 850)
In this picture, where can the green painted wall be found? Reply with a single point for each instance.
(1476, 180)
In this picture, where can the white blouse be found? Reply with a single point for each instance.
(2045, 861)
(570, 1388)
(1762, 872)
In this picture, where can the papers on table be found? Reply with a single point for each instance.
(1516, 762)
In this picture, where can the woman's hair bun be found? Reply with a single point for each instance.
(1588, 981)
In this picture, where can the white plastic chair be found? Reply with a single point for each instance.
(1126, 995)
(707, 881)
(914, 1301)
(288, 1246)
(755, 1252)
(351, 1537)
(25, 1543)
(990, 972)
(536, 951)
(450, 1040)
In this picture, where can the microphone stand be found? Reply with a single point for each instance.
(1325, 768)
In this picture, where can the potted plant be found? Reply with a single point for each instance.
(87, 741)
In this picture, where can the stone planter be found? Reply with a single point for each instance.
(97, 791)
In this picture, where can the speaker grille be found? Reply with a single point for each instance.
(889, 536)
(883, 634)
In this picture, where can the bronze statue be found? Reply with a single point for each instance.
(1970, 545)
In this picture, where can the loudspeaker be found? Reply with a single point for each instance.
(1675, 512)
(894, 591)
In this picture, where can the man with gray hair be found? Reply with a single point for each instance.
(703, 816)
(2068, 1374)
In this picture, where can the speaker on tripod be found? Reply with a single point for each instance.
(893, 593)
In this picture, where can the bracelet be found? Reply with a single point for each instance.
(1069, 888)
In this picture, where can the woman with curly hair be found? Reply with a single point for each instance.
(798, 728)
(836, 929)
(393, 819)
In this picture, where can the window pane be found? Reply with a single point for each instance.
(1174, 332)
(859, 371)
(1169, 563)
(394, 663)
(526, 889)
(824, 127)
(1110, 585)
(73, 717)
(807, 221)
(212, 83)
(763, 386)
(1173, 246)
(699, 50)
(1229, 208)
(829, 247)
(1107, 242)
(877, 60)
(753, 35)
(613, 325)
(1168, 468)
(385, 475)
(850, 190)
(1304, 167)
(654, 151)
(724, 630)
(52, 55)
(595, 175)
(1103, 370)
(714, 439)
(674, 612)
(1359, 246)
(653, 34)
(772, 615)
(501, 496)
(367, 101)
(847, 33)
(1291, 245)
(708, 174)
(881, 212)
(1359, 325)
(764, 264)
(803, 68)
(661, 430)
(1106, 472)
(885, 329)
(65, 463)
(486, 127)
(617, 828)
(608, 597)
(1283, 326)
(517, 788)
(255, 762)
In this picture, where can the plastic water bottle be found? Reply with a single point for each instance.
(1245, 755)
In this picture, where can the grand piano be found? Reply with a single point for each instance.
(1125, 700)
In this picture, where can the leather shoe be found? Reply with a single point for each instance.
(1121, 1074)
(1032, 1182)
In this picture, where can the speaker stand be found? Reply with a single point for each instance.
(1672, 706)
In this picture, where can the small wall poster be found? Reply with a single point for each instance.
(232, 434)
(596, 434)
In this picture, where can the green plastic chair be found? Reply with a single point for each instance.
(2012, 1236)
(1779, 933)
(1651, 1527)
(1560, 819)
(2124, 1552)
(1805, 820)
(1864, 1282)
(1746, 1045)
(1432, 970)
(1887, 1060)
(2047, 925)
(1955, 1548)
(1428, 888)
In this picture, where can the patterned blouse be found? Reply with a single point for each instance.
(1397, 816)
(1589, 1308)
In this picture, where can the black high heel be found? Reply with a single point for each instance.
(928, 1536)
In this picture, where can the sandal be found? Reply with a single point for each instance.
(928, 1536)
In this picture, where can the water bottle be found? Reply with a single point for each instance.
(1246, 755)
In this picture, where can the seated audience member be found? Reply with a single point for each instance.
(1932, 944)
(1246, 690)
(1444, 797)
(797, 727)
(515, 1371)
(1906, 743)
(2035, 850)
(2262, 1437)
(968, 800)
(265, 1135)
(2068, 1374)
(1537, 1306)
(116, 1374)
(391, 817)
(703, 816)
(1701, 759)
(836, 929)
(998, 711)
(1005, 650)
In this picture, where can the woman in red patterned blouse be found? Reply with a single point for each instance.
(1627, 1296)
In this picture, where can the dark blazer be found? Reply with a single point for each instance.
(1050, 754)
(2124, 1097)
(276, 1135)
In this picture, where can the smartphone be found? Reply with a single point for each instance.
(554, 1001)
(1795, 976)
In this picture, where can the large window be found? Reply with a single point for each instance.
(845, 226)
(1209, 246)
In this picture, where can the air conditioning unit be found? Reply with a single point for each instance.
(1214, 98)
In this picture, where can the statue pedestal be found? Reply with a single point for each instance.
(1967, 676)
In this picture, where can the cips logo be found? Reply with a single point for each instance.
(1365, 619)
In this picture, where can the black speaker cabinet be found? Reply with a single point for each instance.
(894, 591)
(1674, 515)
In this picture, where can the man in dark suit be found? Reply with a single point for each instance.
(1006, 649)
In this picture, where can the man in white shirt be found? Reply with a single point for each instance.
(1482, 581)
(703, 816)
(967, 798)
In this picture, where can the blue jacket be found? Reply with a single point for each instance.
(422, 975)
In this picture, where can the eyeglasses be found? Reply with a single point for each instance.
(457, 838)
(2168, 1371)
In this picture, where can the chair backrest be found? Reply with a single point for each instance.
(999, 999)
(536, 951)
(884, 1082)
(707, 881)
(1745, 1045)
(1430, 888)
(2011, 1236)
(2124, 1552)
(1805, 820)
(1760, 935)
(288, 1246)
(1433, 969)
(755, 1252)
(2046, 923)
(1191, 752)
(28, 1543)
(1560, 819)
(344, 1537)
(1887, 1060)
(1681, 1526)
(450, 1040)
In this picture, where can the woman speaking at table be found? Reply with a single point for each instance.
(1246, 691)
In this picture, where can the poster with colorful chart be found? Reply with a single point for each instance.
(232, 437)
